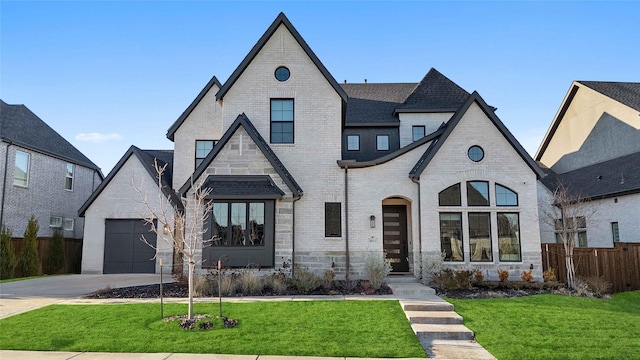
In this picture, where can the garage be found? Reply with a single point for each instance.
(124, 252)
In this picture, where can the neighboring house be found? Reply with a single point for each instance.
(592, 148)
(306, 170)
(41, 174)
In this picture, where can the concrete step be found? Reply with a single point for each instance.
(411, 290)
(433, 317)
(426, 306)
(442, 332)
(401, 278)
(456, 349)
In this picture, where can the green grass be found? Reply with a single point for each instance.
(319, 328)
(556, 327)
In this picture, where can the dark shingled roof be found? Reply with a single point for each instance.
(610, 178)
(245, 186)
(147, 158)
(434, 93)
(24, 128)
(375, 103)
(627, 93)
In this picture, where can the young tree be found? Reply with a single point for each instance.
(55, 258)
(568, 216)
(181, 225)
(29, 262)
(7, 254)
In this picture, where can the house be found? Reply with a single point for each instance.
(306, 170)
(41, 174)
(592, 148)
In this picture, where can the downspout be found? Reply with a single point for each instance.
(293, 234)
(346, 219)
(4, 182)
(419, 226)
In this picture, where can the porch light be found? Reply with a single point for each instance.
(372, 221)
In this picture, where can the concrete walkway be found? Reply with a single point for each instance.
(27, 295)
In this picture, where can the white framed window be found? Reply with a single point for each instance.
(21, 171)
(55, 221)
(68, 177)
(68, 224)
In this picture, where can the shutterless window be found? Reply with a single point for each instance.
(68, 224)
(332, 219)
(418, 132)
(68, 179)
(480, 236)
(382, 142)
(55, 221)
(506, 196)
(450, 196)
(451, 236)
(615, 232)
(282, 121)
(353, 142)
(238, 224)
(21, 172)
(203, 148)
(509, 237)
(478, 193)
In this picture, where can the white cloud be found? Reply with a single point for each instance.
(97, 137)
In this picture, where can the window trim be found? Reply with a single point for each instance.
(247, 221)
(328, 223)
(67, 177)
(413, 134)
(28, 170)
(55, 221)
(282, 67)
(459, 195)
(293, 123)
(64, 224)
(473, 147)
(353, 136)
(507, 188)
(196, 158)
(378, 137)
(615, 232)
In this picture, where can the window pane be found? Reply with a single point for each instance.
(509, 237)
(256, 224)
(282, 121)
(220, 223)
(478, 193)
(615, 232)
(21, 172)
(451, 236)
(505, 197)
(353, 142)
(582, 239)
(238, 223)
(382, 142)
(418, 132)
(450, 196)
(203, 147)
(480, 237)
(332, 220)
(68, 224)
(68, 181)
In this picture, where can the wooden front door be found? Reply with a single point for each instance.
(394, 236)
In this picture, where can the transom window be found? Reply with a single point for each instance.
(505, 196)
(450, 196)
(203, 148)
(353, 142)
(282, 121)
(21, 171)
(382, 142)
(418, 132)
(68, 179)
(478, 193)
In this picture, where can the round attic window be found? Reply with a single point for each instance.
(282, 73)
(475, 153)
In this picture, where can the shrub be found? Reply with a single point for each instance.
(329, 275)
(227, 285)
(249, 282)
(7, 254)
(201, 286)
(445, 279)
(29, 262)
(277, 282)
(478, 276)
(55, 258)
(503, 275)
(432, 265)
(527, 276)
(549, 275)
(304, 281)
(377, 268)
(599, 285)
(463, 279)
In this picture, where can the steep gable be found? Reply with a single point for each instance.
(213, 83)
(435, 93)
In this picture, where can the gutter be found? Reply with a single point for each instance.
(293, 234)
(4, 182)
(417, 181)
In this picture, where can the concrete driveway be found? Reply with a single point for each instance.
(21, 296)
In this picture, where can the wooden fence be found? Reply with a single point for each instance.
(619, 265)
(72, 254)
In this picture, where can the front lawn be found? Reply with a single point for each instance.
(555, 326)
(319, 328)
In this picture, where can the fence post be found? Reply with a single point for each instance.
(596, 260)
(546, 248)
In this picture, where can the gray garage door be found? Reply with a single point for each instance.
(124, 252)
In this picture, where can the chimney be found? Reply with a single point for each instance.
(365, 81)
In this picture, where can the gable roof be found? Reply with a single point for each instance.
(616, 177)
(147, 159)
(243, 121)
(374, 104)
(20, 126)
(281, 19)
(453, 122)
(434, 93)
(174, 127)
(626, 93)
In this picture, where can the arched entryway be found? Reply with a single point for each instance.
(396, 232)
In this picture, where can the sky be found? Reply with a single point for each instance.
(108, 75)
